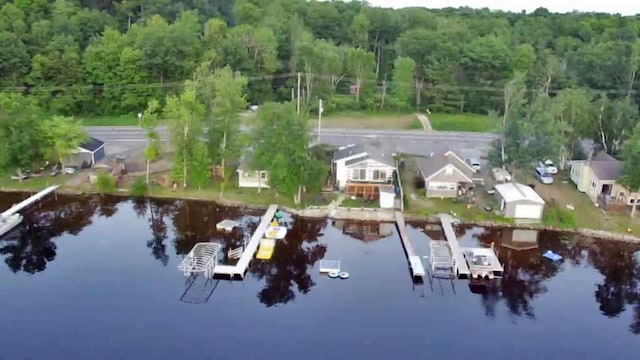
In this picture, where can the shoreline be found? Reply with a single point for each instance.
(355, 214)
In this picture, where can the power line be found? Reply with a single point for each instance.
(132, 86)
(326, 77)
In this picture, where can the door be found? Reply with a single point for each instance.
(527, 212)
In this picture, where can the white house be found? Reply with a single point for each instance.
(249, 178)
(369, 162)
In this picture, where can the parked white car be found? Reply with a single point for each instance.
(474, 163)
(501, 175)
(549, 166)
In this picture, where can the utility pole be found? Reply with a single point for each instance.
(320, 111)
(298, 107)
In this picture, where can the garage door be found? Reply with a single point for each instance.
(527, 212)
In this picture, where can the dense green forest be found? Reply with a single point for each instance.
(106, 57)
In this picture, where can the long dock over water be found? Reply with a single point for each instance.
(240, 268)
(460, 264)
(417, 269)
(32, 199)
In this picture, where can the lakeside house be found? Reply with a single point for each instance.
(446, 175)
(250, 178)
(360, 169)
(519, 202)
(597, 176)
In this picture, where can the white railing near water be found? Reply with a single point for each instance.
(202, 259)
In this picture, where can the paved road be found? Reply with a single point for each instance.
(405, 141)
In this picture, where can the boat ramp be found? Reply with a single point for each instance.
(203, 258)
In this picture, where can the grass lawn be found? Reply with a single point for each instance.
(359, 203)
(432, 206)
(367, 120)
(33, 183)
(241, 195)
(461, 122)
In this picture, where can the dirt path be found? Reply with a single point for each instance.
(424, 120)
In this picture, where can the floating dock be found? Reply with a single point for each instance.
(483, 263)
(417, 269)
(460, 264)
(226, 225)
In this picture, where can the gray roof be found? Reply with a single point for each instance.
(376, 150)
(92, 144)
(605, 166)
(346, 151)
(440, 159)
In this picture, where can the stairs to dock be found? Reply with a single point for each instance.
(442, 262)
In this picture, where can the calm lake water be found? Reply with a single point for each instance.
(97, 278)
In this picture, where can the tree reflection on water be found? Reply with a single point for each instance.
(292, 258)
(29, 247)
(525, 273)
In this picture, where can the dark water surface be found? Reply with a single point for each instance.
(94, 278)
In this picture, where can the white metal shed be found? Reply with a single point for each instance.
(519, 201)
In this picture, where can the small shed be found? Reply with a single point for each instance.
(91, 151)
(387, 197)
(519, 201)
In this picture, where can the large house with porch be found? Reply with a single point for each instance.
(598, 178)
(360, 169)
(446, 175)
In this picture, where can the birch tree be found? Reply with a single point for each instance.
(185, 114)
(225, 138)
(514, 92)
(361, 65)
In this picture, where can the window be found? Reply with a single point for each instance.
(449, 170)
(379, 175)
(359, 174)
(263, 175)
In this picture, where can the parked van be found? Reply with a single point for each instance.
(543, 176)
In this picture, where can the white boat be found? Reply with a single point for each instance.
(276, 232)
(9, 222)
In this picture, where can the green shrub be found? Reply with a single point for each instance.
(106, 183)
(138, 187)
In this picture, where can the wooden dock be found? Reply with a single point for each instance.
(417, 269)
(32, 199)
(460, 264)
(250, 249)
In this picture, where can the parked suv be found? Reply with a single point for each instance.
(543, 176)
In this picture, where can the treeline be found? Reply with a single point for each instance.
(97, 57)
